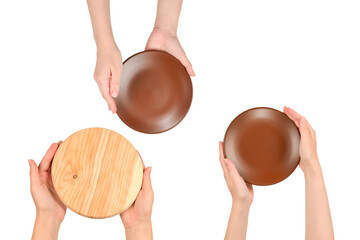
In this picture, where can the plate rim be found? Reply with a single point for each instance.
(266, 108)
(191, 89)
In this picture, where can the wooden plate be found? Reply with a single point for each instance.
(263, 143)
(155, 92)
(97, 173)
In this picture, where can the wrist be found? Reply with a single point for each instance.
(105, 43)
(312, 168)
(167, 30)
(48, 219)
(139, 230)
(137, 223)
(241, 206)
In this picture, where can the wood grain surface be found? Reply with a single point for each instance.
(97, 173)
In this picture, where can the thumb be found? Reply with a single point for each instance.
(187, 64)
(230, 168)
(304, 129)
(34, 173)
(146, 185)
(181, 56)
(115, 82)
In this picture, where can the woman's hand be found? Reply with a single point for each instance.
(242, 196)
(241, 191)
(318, 224)
(137, 219)
(50, 211)
(108, 73)
(109, 61)
(164, 40)
(308, 154)
(45, 198)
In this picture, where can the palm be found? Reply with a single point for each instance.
(242, 189)
(42, 188)
(138, 211)
(238, 188)
(48, 193)
(141, 210)
(307, 147)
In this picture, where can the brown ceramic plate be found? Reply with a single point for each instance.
(155, 92)
(263, 143)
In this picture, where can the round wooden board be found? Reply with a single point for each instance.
(97, 173)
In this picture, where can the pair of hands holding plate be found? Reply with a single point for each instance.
(318, 224)
(242, 191)
(50, 211)
(109, 63)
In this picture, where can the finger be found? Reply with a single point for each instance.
(146, 185)
(34, 173)
(49, 155)
(190, 69)
(112, 105)
(60, 142)
(185, 62)
(312, 131)
(231, 169)
(304, 129)
(289, 116)
(293, 115)
(115, 81)
(250, 187)
(105, 92)
(221, 157)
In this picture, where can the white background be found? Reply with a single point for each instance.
(303, 54)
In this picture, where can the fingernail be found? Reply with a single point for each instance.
(114, 93)
(29, 162)
(150, 170)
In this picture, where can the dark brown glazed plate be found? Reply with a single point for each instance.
(263, 143)
(155, 92)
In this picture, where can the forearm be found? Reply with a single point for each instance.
(318, 218)
(100, 18)
(167, 16)
(238, 221)
(45, 227)
(141, 231)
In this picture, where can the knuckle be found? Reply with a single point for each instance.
(98, 76)
(95, 75)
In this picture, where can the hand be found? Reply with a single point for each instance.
(140, 212)
(108, 73)
(241, 191)
(307, 149)
(43, 193)
(165, 41)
